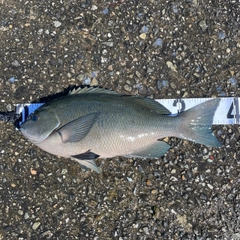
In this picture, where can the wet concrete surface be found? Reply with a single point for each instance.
(160, 49)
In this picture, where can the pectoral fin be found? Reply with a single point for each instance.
(152, 151)
(78, 129)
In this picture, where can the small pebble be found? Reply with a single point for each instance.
(40, 31)
(220, 132)
(210, 186)
(9, 107)
(127, 88)
(80, 77)
(173, 85)
(158, 42)
(142, 89)
(221, 35)
(16, 63)
(94, 7)
(175, 8)
(86, 81)
(104, 60)
(129, 179)
(35, 225)
(33, 171)
(174, 54)
(93, 74)
(146, 230)
(150, 70)
(228, 50)
(154, 191)
(143, 36)
(165, 83)
(26, 216)
(233, 81)
(148, 182)
(20, 212)
(12, 79)
(57, 24)
(94, 82)
(144, 29)
(105, 11)
(171, 66)
(162, 83)
(109, 44)
(64, 171)
(203, 25)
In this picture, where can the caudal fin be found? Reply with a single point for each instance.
(195, 123)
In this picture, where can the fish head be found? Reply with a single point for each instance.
(39, 125)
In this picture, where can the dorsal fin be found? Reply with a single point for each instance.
(91, 90)
(145, 102)
(152, 105)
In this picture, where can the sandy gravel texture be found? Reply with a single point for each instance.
(159, 49)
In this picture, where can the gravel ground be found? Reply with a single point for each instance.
(160, 49)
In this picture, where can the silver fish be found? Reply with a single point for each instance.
(92, 122)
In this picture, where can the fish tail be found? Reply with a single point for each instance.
(195, 123)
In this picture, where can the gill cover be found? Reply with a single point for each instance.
(39, 125)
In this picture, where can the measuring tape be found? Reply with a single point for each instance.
(226, 113)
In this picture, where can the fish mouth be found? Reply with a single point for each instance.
(28, 136)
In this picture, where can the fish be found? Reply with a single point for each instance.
(91, 123)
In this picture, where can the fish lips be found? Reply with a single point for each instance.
(30, 136)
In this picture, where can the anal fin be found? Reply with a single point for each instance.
(154, 150)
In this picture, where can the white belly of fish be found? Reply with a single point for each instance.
(104, 143)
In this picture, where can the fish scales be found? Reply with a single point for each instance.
(92, 122)
(121, 128)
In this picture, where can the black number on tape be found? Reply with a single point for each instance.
(183, 106)
(230, 112)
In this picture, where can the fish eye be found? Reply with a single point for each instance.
(34, 117)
